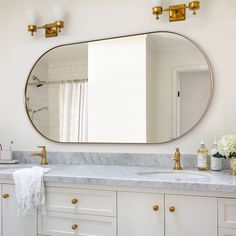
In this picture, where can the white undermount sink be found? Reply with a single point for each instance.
(176, 175)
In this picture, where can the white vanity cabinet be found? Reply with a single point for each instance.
(12, 224)
(176, 215)
(81, 211)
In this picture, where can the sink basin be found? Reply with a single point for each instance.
(175, 175)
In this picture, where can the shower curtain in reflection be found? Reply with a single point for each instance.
(73, 112)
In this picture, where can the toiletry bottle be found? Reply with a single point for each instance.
(216, 162)
(203, 161)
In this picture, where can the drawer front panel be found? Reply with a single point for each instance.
(62, 224)
(227, 232)
(227, 213)
(83, 201)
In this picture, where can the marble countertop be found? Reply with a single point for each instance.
(128, 176)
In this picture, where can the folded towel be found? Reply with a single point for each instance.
(29, 188)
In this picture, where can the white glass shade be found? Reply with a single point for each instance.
(157, 3)
(58, 12)
(32, 17)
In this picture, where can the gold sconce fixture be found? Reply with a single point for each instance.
(176, 12)
(51, 29)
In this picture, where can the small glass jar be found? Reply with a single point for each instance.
(216, 163)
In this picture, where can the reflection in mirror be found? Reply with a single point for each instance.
(149, 88)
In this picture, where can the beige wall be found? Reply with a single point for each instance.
(88, 20)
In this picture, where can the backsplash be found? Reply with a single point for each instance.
(117, 159)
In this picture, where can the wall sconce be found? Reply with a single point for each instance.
(51, 29)
(176, 12)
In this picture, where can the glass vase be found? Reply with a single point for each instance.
(233, 165)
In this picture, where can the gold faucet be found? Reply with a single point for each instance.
(43, 154)
(176, 158)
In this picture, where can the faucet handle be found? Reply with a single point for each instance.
(177, 150)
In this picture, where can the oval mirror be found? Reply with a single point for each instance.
(148, 88)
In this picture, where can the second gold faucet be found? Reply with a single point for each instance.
(177, 160)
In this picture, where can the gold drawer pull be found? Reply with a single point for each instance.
(74, 201)
(74, 226)
(172, 209)
(5, 195)
(155, 208)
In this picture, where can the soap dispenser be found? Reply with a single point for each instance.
(216, 162)
(203, 161)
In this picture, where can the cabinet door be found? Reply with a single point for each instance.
(136, 216)
(227, 213)
(190, 216)
(12, 223)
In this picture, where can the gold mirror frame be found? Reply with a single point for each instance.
(97, 40)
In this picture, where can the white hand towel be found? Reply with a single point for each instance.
(29, 188)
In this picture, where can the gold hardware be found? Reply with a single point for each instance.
(157, 11)
(5, 195)
(43, 155)
(176, 158)
(155, 208)
(74, 226)
(172, 209)
(194, 6)
(177, 12)
(51, 29)
(74, 201)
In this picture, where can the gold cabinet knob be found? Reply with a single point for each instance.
(172, 209)
(155, 208)
(74, 201)
(5, 195)
(74, 226)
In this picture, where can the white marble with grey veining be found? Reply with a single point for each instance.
(127, 176)
(115, 159)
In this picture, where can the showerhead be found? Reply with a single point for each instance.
(39, 85)
(39, 82)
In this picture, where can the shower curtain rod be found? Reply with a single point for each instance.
(63, 82)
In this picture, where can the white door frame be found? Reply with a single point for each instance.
(175, 99)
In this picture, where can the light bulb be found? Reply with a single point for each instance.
(58, 12)
(157, 3)
(32, 17)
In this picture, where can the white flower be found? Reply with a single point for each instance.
(227, 145)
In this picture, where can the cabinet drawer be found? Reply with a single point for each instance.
(227, 213)
(227, 232)
(60, 224)
(83, 201)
